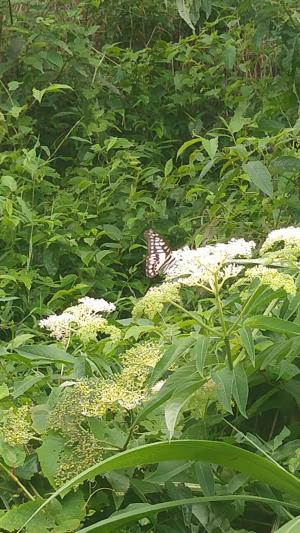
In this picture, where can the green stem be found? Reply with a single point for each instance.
(193, 316)
(223, 325)
(17, 481)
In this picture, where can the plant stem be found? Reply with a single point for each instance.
(17, 481)
(223, 325)
(194, 316)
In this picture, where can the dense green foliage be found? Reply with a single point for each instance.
(117, 117)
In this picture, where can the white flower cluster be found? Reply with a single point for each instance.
(290, 236)
(193, 267)
(85, 319)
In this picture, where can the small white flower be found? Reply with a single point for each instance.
(97, 305)
(290, 236)
(58, 325)
(192, 267)
(85, 319)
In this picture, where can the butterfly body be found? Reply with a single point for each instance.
(159, 256)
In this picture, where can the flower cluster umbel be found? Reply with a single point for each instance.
(84, 320)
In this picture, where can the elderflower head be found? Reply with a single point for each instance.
(84, 320)
(154, 300)
(197, 267)
(289, 251)
(276, 280)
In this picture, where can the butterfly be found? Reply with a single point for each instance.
(159, 256)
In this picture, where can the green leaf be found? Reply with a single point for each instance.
(224, 381)
(292, 526)
(205, 476)
(172, 354)
(187, 144)
(23, 385)
(260, 176)
(10, 182)
(19, 340)
(12, 455)
(211, 146)
(168, 167)
(200, 351)
(229, 56)
(272, 324)
(240, 388)
(247, 342)
(4, 391)
(249, 463)
(45, 353)
(176, 403)
(237, 122)
(49, 455)
(287, 163)
(135, 512)
(184, 12)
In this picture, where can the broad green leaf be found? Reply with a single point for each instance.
(10, 182)
(205, 476)
(240, 388)
(247, 342)
(229, 56)
(187, 144)
(59, 517)
(45, 353)
(224, 381)
(4, 391)
(23, 385)
(259, 298)
(49, 454)
(272, 324)
(199, 351)
(272, 353)
(37, 94)
(260, 176)
(286, 163)
(19, 340)
(175, 405)
(53, 88)
(172, 354)
(12, 455)
(237, 122)
(184, 12)
(249, 463)
(168, 167)
(211, 146)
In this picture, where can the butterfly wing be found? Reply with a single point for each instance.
(159, 254)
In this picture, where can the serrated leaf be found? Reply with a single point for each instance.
(273, 324)
(240, 389)
(49, 455)
(224, 381)
(260, 176)
(200, 352)
(175, 405)
(247, 342)
(4, 391)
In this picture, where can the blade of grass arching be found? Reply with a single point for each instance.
(292, 526)
(248, 463)
(143, 510)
